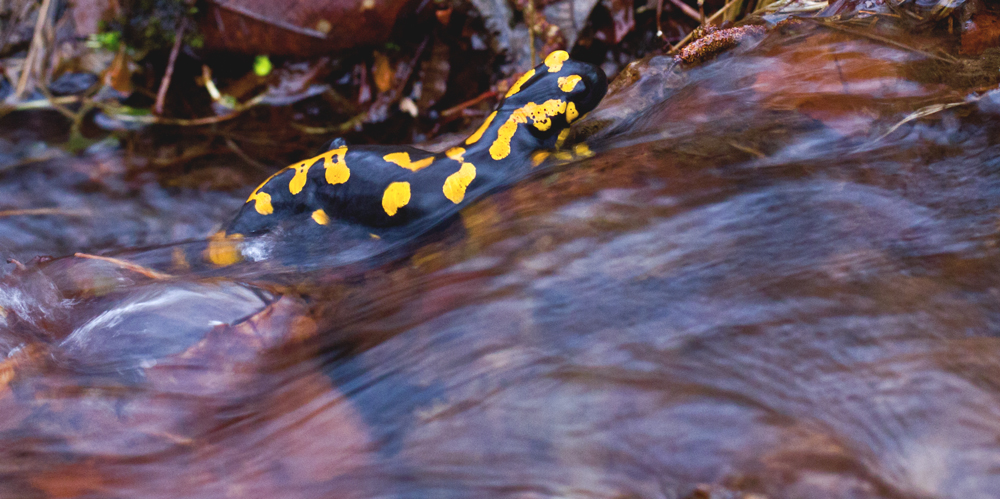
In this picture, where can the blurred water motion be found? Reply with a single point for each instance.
(762, 284)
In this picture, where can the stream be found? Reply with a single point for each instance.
(771, 280)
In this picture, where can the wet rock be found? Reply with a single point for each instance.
(980, 33)
(155, 321)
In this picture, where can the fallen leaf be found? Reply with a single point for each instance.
(622, 16)
(300, 28)
(571, 17)
(119, 74)
(443, 16)
(497, 16)
(382, 73)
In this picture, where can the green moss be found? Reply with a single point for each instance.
(148, 25)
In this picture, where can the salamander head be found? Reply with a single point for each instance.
(562, 78)
(544, 101)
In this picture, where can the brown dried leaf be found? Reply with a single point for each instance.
(622, 16)
(382, 73)
(119, 74)
(443, 16)
(497, 16)
(300, 28)
(571, 17)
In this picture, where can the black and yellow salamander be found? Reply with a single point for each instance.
(382, 188)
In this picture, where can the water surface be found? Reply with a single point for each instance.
(756, 286)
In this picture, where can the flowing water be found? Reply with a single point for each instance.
(760, 286)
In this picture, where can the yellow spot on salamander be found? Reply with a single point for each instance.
(456, 183)
(224, 250)
(561, 138)
(403, 159)
(301, 174)
(455, 153)
(582, 151)
(555, 60)
(516, 87)
(482, 129)
(396, 196)
(563, 156)
(336, 165)
(571, 112)
(264, 208)
(500, 148)
(374, 236)
(262, 202)
(319, 216)
(336, 173)
(540, 114)
(538, 157)
(333, 162)
(568, 83)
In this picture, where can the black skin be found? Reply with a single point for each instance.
(358, 201)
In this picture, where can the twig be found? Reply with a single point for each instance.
(734, 11)
(278, 23)
(36, 42)
(45, 156)
(685, 8)
(190, 153)
(244, 156)
(47, 103)
(384, 99)
(344, 127)
(44, 211)
(531, 31)
(707, 21)
(471, 102)
(659, 12)
(150, 273)
(924, 112)
(405, 78)
(747, 149)
(161, 94)
(63, 110)
(19, 265)
(156, 120)
(878, 14)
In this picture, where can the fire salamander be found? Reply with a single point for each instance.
(381, 187)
